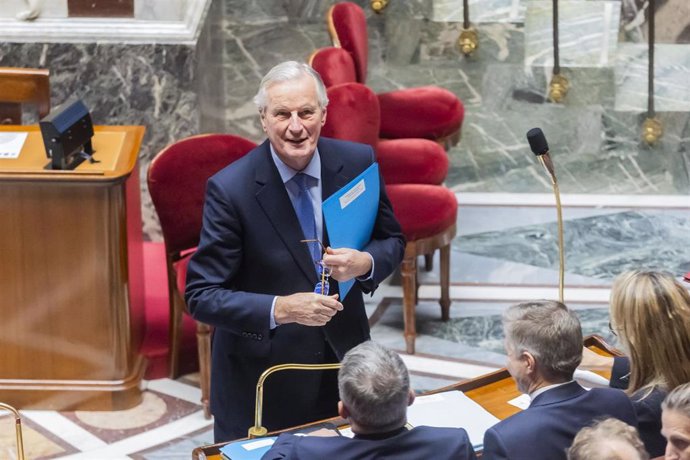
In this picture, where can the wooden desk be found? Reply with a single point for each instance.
(491, 391)
(71, 281)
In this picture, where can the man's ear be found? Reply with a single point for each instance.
(323, 116)
(262, 118)
(529, 361)
(342, 410)
(410, 397)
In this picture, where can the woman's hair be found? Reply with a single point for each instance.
(650, 311)
(604, 440)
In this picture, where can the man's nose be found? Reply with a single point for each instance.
(295, 122)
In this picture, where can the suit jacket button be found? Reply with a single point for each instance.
(261, 337)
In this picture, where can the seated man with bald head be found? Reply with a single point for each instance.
(543, 340)
(375, 392)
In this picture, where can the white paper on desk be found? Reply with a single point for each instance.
(523, 401)
(589, 378)
(452, 409)
(11, 144)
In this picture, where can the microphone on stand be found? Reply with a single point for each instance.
(540, 148)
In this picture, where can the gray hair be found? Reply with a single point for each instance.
(678, 400)
(288, 71)
(547, 330)
(603, 441)
(374, 386)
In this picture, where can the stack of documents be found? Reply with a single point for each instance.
(452, 409)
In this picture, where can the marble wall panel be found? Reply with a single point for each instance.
(47, 8)
(480, 11)
(672, 21)
(588, 33)
(671, 71)
(599, 246)
(160, 10)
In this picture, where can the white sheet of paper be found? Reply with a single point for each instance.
(452, 409)
(590, 378)
(11, 144)
(347, 432)
(521, 401)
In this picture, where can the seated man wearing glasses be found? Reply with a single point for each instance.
(253, 278)
(375, 392)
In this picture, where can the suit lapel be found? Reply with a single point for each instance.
(275, 202)
(332, 176)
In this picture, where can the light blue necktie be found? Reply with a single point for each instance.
(305, 214)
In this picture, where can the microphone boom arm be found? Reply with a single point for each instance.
(257, 430)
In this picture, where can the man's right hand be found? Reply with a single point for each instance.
(307, 308)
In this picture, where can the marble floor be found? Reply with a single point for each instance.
(505, 252)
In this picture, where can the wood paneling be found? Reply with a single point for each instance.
(101, 8)
(71, 289)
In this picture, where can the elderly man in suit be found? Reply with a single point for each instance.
(543, 340)
(254, 279)
(375, 392)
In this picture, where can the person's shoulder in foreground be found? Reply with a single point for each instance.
(375, 392)
(421, 442)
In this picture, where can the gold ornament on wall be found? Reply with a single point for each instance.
(652, 130)
(468, 41)
(378, 5)
(558, 88)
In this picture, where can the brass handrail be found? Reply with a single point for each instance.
(257, 430)
(18, 428)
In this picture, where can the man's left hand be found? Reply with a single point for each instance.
(346, 264)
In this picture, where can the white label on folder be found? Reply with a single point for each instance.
(352, 194)
(258, 444)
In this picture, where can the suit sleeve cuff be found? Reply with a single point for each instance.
(370, 275)
(272, 319)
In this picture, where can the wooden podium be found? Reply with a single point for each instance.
(71, 278)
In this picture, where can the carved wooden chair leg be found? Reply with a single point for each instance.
(175, 325)
(445, 282)
(409, 281)
(203, 340)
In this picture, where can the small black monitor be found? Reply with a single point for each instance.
(67, 131)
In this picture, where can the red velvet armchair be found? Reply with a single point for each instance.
(402, 161)
(177, 183)
(427, 211)
(428, 112)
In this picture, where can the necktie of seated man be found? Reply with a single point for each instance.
(305, 214)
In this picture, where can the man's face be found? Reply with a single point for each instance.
(517, 367)
(293, 119)
(676, 430)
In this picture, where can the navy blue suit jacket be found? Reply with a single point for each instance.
(422, 442)
(249, 252)
(647, 407)
(547, 427)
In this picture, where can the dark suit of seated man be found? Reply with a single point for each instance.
(375, 392)
(543, 341)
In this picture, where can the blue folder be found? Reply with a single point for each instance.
(250, 449)
(350, 214)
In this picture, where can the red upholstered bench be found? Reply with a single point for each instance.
(427, 214)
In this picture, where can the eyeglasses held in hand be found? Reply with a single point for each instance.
(323, 271)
